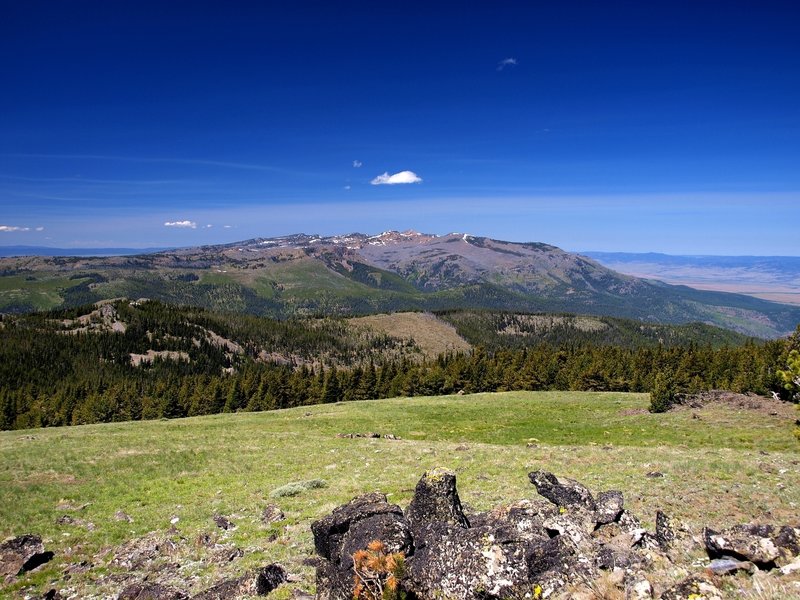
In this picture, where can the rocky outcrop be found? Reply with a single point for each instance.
(526, 549)
(534, 548)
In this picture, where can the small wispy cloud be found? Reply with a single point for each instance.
(401, 177)
(506, 62)
(347, 187)
(15, 229)
(184, 224)
(227, 226)
(358, 164)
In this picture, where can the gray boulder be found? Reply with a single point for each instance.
(609, 507)
(766, 546)
(436, 501)
(451, 561)
(329, 531)
(562, 492)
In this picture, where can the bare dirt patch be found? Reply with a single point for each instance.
(47, 477)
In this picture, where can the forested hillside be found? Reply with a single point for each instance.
(496, 330)
(144, 360)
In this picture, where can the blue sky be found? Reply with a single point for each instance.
(628, 126)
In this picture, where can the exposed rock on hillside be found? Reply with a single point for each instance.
(528, 549)
(20, 554)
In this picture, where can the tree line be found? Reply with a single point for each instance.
(77, 389)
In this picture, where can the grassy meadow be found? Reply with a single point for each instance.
(720, 466)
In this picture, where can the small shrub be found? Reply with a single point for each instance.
(313, 484)
(378, 573)
(297, 487)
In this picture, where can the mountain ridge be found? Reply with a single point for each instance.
(357, 273)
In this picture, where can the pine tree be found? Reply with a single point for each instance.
(332, 392)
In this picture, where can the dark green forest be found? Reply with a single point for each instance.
(74, 366)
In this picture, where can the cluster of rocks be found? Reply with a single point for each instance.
(529, 549)
(149, 567)
(368, 434)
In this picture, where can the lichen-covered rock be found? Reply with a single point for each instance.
(609, 507)
(665, 532)
(455, 562)
(523, 519)
(256, 583)
(765, 545)
(576, 524)
(561, 491)
(696, 587)
(350, 528)
(21, 554)
(435, 501)
(336, 577)
(329, 531)
(389, 528)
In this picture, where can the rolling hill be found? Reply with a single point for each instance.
(359, 274)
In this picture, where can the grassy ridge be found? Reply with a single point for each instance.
(714, 469)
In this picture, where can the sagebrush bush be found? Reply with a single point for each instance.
(297, 487)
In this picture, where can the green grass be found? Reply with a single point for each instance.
(725, 467)
(39, 292)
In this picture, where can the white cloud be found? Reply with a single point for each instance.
(401, 177)
(357, 164)
(347, 187)
(39, 229)
(10, 228)
(209, 226)
(506, 62)
(189, 224)
(227, 226)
